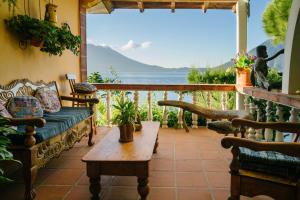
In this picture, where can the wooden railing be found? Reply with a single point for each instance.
(266, 112)
(192, 89)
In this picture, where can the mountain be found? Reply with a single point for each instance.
(101, 58)
(272, 49)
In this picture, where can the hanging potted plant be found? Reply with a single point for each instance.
(124, 117)
(243, 64)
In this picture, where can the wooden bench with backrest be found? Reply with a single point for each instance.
(265, 168)
(41, 139)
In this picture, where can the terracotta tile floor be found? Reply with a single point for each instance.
(187, 166)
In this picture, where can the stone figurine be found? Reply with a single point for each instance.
(260, 71)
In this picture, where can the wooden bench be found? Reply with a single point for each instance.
(36, 146)
(110, 157)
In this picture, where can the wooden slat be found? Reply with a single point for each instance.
(277, 97)
(110, 149)
(153, 87)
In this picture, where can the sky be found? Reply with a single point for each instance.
(182, 39)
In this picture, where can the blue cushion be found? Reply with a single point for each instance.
(56, 123)
(270, 162)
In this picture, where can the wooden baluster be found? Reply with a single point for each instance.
(224, 100)
(209, 105)
(251, 131)
(246, 104)
(279, 113)
(136, 101)
(294, 115)
(150, 115)
(165, 112)
(180, 111)
(108, 108)
(269, 132)
(194, 116)
(258, 135)
(123, 96)
(294, 118)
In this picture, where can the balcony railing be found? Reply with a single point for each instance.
(262, 110)
(191, 92)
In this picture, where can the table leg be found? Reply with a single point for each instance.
(156, 145)
(143, 187)
(95, 187)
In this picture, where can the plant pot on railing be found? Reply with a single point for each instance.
(243, 77)
(126, 133)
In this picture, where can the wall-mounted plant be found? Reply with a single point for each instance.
(52, 39)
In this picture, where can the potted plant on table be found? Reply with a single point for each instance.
(243, 64)
(124, 117)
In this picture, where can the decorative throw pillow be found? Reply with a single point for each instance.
(24, 107)
(84, 88)
(49, 99)
(4, 112)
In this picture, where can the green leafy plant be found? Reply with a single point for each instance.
(243, 61)
(275, 19)
(54, 40)
(95, 77)
(124, 112)
(5, 154)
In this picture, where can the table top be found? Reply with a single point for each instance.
(110, 149)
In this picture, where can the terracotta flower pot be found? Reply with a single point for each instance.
(126, 133)
(36, 43)
(243, 77)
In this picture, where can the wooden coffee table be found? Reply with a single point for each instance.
(110, 157)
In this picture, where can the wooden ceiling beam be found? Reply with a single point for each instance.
(173, 6)
(181, 1)
(141, 6)
(205, 6)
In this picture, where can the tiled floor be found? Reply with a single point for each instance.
(187, 166)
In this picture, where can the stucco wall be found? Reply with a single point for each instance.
(31, 63)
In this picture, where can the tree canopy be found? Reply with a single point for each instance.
(275, 19)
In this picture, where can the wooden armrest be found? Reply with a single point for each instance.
(279, 126)
(80, 100)
(287, 148)
(38, 122)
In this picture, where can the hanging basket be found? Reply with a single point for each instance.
(50, 14)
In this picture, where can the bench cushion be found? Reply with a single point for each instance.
(56, 123)
(270, 162)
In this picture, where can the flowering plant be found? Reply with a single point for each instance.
(244, 61)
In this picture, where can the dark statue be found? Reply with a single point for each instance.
(260, 71)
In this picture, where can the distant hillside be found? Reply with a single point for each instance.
(101, 58)
(276, 63)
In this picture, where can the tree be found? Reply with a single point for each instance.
(275, 19)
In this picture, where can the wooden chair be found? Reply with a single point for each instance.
(265, 168)
(72, 80)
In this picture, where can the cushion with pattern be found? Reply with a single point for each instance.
(24, 107)
(4, 112)
(49, 99)
(84, 88)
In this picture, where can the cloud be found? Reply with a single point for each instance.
(133, 45)
(96, 43)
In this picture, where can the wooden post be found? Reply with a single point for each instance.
(246, 104)
(136, 101)
(108, 108)
(224, 100)
(165, 112)
(251, 131)
(150, 115)
(180, 112)
(194, 116)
